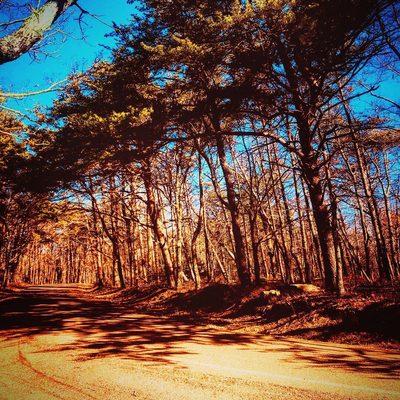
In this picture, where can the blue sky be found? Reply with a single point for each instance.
(24, 74)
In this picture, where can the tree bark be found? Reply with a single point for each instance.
(32, 30)
(155, 220)
(323, 222)
(240, 252)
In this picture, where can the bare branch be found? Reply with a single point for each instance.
(52, 88)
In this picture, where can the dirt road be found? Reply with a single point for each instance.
(57, 345)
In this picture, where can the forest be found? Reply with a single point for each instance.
(199, 199)
(235, 142)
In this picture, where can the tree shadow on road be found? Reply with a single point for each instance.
(342, 357)
(102, 329)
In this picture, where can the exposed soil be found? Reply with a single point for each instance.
(68, 342)
(366, 315)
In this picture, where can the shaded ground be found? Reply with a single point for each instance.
(367, 315)
(62, 343)
(5, 294)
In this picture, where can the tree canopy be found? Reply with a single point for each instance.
(259, 93)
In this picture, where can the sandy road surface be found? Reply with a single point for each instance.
(55, 345)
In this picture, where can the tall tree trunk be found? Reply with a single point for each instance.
(240, 251)
(115, 234)
(322, 221)
(198, 229)
(384, 262)
(156, 224)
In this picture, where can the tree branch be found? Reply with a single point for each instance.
(32, 30)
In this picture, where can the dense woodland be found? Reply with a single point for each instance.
(223, 141)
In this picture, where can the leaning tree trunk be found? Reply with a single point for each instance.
(32, 30)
